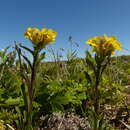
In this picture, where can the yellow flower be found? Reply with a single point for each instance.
(49, 37)
(40, 38)
(104, 45)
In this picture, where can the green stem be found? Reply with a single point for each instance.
(31, 88)
(97, 76)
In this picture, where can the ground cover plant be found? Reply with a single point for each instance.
(92, 93)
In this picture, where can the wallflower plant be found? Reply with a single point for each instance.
(104, 47)
(28, 68)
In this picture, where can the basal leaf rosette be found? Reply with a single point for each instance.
(104, 45)
(41, 37)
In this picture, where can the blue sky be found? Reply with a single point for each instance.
(81, 19)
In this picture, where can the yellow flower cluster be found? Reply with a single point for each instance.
(40, 37)
(104, 45)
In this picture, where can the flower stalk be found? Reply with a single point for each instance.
(39, 40)
(103, 47)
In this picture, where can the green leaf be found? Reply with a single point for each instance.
(24, 94)
(27, 49)
(90, 61)
(14, 101)
(88, 54)
(28, 61)
(88, 77)
(42, 56)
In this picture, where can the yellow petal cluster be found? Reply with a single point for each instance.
(40, 37)
(104, 45)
